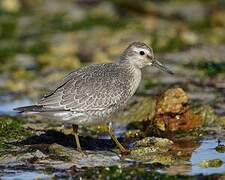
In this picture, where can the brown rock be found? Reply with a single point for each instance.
(173, 114)
(172, 101)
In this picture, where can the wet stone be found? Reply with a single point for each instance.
(151, 155)
(220, 148)
(211, 163)
(152, 150)
(79, 160)
(172, 101)
(173, 113)
(153, 141)
(21, 158)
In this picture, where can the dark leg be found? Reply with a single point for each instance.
(75, 133)
(123, 151)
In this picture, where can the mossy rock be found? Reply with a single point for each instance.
(60, 151)
(152, 155)
(141, 110)
(211, 163)
(220, 148)
(220, 121)
(208, 115)
(154, 141)
(11, 130)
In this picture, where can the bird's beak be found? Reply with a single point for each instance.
(160, 66)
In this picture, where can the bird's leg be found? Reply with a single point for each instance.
(75, 133)
(123, 151)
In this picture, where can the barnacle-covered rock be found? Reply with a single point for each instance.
(173, 113)
(153, 149)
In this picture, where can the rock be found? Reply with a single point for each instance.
(208, 115)
(172, 101)
(220, 148)
(22, 158)
(71, 157)
(58, 150)
(152, 155)
(173, 113)
(153, 149)
(186, 121)
(211, 163)
(220, 121)
(141, 109)
(154, 141)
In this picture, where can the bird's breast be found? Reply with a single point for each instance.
(135, 80)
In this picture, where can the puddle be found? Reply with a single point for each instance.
(26, 176)
(8, 106)
(207, 152)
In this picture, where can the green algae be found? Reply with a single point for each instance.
(211, 163)
(154, 150)
(211, 68)
(220, 148)
(142, 110)
(60, 152)
(11, 130)
(158, 142)
(116, 172)
(220, 121)
(208, 115)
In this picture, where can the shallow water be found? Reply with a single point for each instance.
(26, 176)
(7, 107)
(207, 152)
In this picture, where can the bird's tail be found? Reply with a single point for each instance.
(29, 109)
(46, 112)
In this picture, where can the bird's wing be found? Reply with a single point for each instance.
(91, 88)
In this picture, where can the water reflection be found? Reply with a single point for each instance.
(26, 176)
(206, 151)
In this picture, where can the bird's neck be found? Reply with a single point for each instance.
(134, 73)
(126, 63)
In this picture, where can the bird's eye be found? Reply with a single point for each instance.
(142, 53)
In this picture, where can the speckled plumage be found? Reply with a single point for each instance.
(91, 94)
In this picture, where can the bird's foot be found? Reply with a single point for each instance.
(124, 152)
(81, 151)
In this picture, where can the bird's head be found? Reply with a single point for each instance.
(140, 55)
